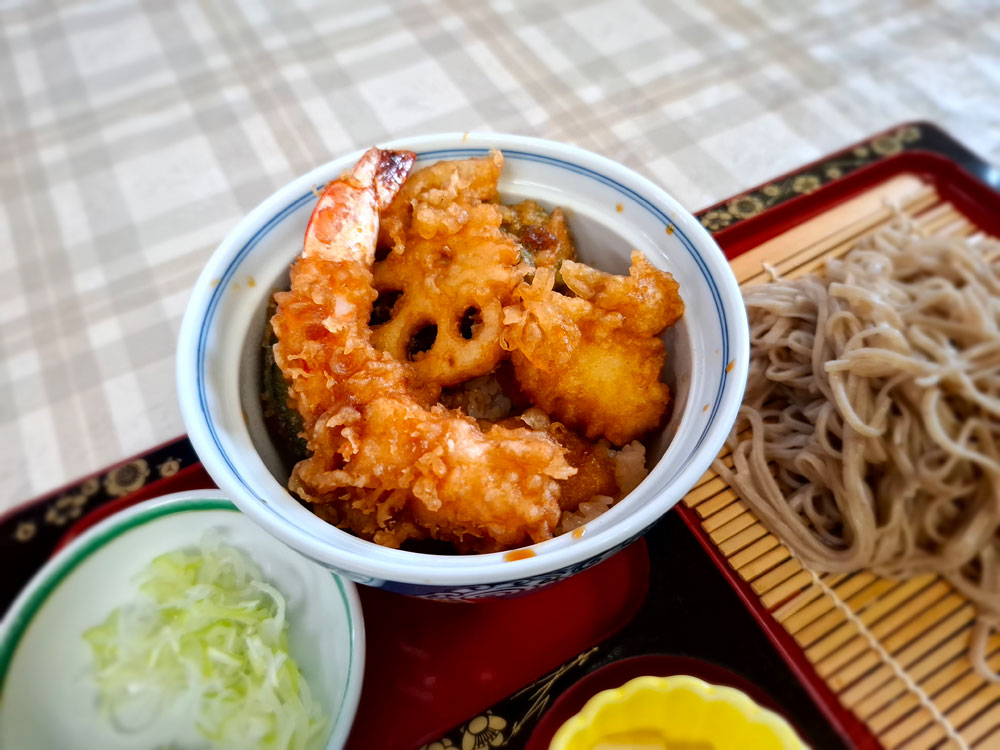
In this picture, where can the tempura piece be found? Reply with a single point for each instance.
(544, 236)
(595, 468)
(368, 418)
(593, 361)
(452, 291)
(648, 297)
(449, 272)
(435, 200)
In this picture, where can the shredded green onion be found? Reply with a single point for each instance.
(207, 622)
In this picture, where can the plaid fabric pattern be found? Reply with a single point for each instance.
(134, 135)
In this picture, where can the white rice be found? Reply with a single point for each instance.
(630, 466)
(480, 398)
(587, 511)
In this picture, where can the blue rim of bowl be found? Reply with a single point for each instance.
(22, 613)
(248, 246)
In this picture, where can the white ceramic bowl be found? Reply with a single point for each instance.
(49, 700)
(611, 210)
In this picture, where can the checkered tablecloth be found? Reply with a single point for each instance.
(134, 135)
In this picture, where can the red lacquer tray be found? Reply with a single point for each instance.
(461, 675)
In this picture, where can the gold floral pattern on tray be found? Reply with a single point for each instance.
(489, 730)
(810, 179)
(49, 519)
(65, 508)
(25, 531)
(127, 477)
(169, 467)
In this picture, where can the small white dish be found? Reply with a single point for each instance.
(48, 698)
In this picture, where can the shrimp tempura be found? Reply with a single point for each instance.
(386, 460)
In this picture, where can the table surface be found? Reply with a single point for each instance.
(134, 135)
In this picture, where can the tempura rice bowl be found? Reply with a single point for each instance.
(611, 211)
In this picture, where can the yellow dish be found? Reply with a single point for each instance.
(674, 713)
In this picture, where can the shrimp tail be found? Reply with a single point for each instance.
(344, 223)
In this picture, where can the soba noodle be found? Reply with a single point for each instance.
(870, 431)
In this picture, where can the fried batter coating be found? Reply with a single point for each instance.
(380, 516)
(450, 272)
(595, 469)
(458, 480)
(545, 236)
(435, 200)
(456, 283)
(413, 468)
(593, 361)
(648, 297)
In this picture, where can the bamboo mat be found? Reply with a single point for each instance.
(894, 652)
